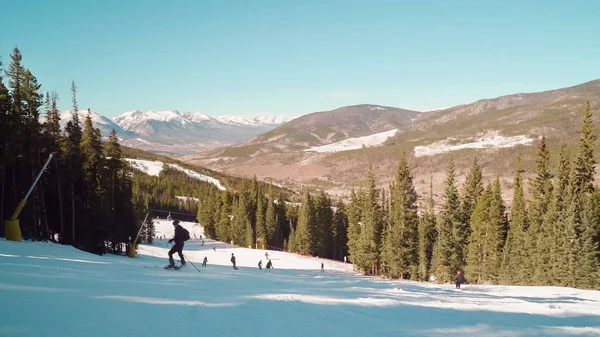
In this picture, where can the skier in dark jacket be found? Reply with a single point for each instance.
(260, 265)
(204, 261)
(178, 246)
(233, 261)
(459, 279)
(270, 265)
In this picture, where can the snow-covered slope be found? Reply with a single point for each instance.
(489, 141)
(154, 168)
(355, 143)
(53, 290)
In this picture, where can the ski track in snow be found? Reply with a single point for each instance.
(154, 168)
(48, 289)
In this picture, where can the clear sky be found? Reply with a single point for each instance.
(291, 57)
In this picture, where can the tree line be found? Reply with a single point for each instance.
(550, 239)
(84, 198)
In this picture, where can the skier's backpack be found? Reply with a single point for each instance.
(186, 234)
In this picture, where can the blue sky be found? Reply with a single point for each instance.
(248, 57)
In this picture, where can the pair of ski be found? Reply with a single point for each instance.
(170, 267)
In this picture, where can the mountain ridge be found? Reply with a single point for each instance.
(494, 129)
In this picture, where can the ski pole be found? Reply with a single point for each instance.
(190, 261)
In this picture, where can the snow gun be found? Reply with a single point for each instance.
(12, 230)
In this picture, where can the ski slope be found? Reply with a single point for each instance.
(154, 168)
(52, 290)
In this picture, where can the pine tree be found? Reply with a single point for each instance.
(354, 213)
(324, 223)
(587, 267)
(72, 151)
(270, 218)
(584, 217)
(370, 242)
(541, 190)
(475, 270)
(447, 252)
(472, 189)
(514, 270)
(261, 226)
(305, 240)
(427, 236)
(585, 163)
(93, 166)
(401, 240)
(340, 232)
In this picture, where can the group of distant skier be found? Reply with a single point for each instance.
(182, 235)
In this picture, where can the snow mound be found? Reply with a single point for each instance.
(485, 142)
(154, 168)
(355, 143)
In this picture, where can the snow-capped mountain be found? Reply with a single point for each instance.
(173, 132)
(99, 121)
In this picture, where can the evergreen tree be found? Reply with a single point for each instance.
(427, 236)
(223, 227)
(448, 252)
(541, 190)
(472, 189)
(324, 225)
(354, 226)
(585, 163)
(261, 226)
(486, 241)
(340, 232)
(478, 245)
(306, 236)
(271, 219)
(93, 166)
(400, 249)
(514, 270)
(587, 266)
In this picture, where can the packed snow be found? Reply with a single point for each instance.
(48, 289)
(154, 168)
(355, 143)
(488, 141)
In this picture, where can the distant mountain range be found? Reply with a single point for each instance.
(333, 149)
(175, 133)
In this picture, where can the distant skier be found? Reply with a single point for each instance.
(181, 235)
(267, 255)
(459, 279)
(233, 261)
(270, 265)
(169, 218)
(202, 243)
(322, 267)
(260, 265)
(204, 261)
